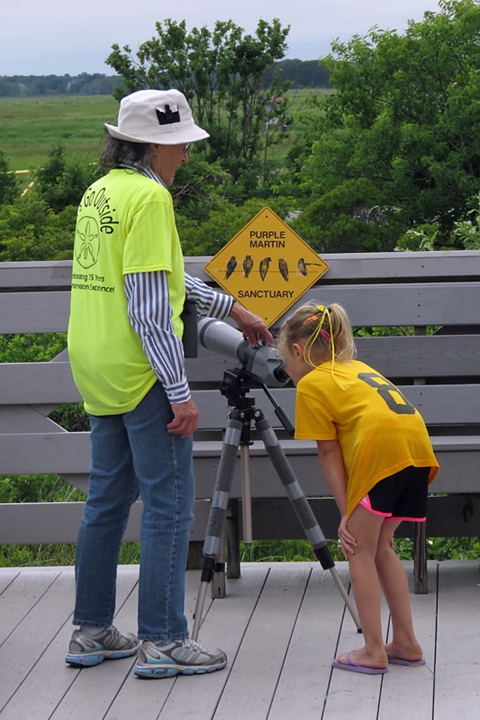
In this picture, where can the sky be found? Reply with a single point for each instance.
(57, 37)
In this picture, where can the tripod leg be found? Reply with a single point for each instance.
(246, 495)
(301, 505)
(216, 516)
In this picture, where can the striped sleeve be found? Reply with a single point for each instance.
(209, 302)
(150, 314)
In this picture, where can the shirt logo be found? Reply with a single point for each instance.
(87, 243)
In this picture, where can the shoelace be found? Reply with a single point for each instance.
(192, 645)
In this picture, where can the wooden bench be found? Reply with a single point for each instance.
(439, 373)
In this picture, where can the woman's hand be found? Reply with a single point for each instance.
(347, 541)
(185, 419)
(252, 326)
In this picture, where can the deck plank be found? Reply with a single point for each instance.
(51, 678)
(280, 625)
(32, 631)
(353, 693)
(7, 576)
(21, 595)
(255, 670)
(305, 676)
(457, 673)
(416, 704)
(146, 698)
(223, 627)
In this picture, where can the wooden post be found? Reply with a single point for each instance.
(419, 533)
(195, 559)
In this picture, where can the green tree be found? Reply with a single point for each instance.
(8, 182)
(346, 219)
(30, 230)
(405, 117)
(60, 182)
(222, 75)
(224, 221)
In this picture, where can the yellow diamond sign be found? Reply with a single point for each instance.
(266, 267)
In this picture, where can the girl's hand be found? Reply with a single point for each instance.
(347, 541)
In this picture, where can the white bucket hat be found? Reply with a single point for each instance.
(162, 117)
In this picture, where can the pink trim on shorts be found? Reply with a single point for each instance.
(388, 516)
(368, 506)
(404, 519)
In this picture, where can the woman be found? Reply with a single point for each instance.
(126, 353)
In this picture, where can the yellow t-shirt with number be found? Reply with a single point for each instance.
(125, 224)
(378, 430)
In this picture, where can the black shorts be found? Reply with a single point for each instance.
(402, 496)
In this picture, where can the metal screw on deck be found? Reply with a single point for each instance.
(235, 386)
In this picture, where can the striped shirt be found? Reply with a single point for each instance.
(150, 314)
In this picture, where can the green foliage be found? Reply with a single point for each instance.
(61, 183)
(30, 230)
(40, 224)
(37, 488)
(463, 548)
(346, 219)
(222, 75)
(467, 231)
(8, 182)
(72, 417)
(405, 118)
(30, 347)
(224, 221)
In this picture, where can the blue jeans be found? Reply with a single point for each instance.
(134, 454)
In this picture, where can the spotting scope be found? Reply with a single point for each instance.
(262, 362)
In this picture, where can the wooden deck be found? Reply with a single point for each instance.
(280, 625)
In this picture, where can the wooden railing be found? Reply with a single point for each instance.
(439, 373)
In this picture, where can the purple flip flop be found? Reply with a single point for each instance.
(410, 663)
(354, 667)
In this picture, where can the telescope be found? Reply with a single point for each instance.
(261, 362)
(260, 365)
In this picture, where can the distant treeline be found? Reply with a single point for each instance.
(302, 73)
(34, 85)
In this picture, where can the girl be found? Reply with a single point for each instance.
(376, 457)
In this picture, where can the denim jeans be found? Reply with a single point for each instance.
(134, 454)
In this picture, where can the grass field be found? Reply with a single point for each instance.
(29, 127)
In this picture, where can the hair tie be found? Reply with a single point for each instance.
(307, 351)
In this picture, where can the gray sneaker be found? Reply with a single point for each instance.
(180, 657)
(86, 650)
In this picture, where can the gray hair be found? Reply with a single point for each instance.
(120, 153)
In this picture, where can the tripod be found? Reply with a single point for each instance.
(235, 386)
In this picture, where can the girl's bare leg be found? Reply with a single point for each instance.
(366, 528)
(394, 582)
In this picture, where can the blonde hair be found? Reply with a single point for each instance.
(324, 331)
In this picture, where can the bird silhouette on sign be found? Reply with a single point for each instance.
(264, 265)
(302, 266)
(247, 265)
(283, 267)
(231, 265)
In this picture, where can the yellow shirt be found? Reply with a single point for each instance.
(125, 224)
(378, 430)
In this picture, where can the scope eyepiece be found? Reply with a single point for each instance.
(262, 361)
